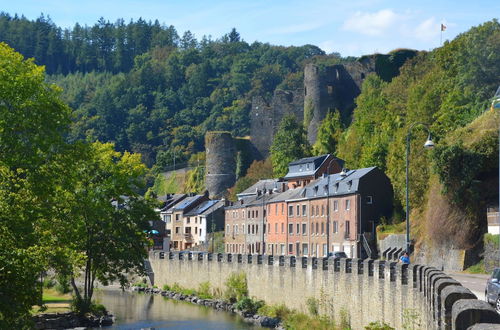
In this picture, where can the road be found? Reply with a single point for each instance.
(474, 282)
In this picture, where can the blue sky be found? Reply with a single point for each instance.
(350, 27)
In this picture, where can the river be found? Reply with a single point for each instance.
(146, 311)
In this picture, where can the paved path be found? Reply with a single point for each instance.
(474, 282)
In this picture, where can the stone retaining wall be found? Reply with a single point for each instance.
(368, 290)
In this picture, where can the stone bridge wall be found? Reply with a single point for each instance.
(417, 296)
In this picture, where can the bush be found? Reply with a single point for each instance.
(279, 311)
(378, 326)
(166, 287)
(312, 306)
(236, 287)
(63, 285)
(140, 284)
(304, 321)
(249, 305)
(49, 282)
(98, 309)
(204, 291)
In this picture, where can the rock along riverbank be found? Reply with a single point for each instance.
(217, 304)
(71, 320)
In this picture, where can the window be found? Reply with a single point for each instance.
(322, 228)
(248, 214)
(269, 228)
(257, 213)
(290, 211)
(290, 248)
(298, 210)
(335, 227)
(324, 250)
(369, 200)
(307, 166)
(317, 228)
(242, 229)
(282, 228)
(322, 211)
(177, 229)
(282, 248)
(347, 228)
(168, 217)
(297, 248)
(304, 229)
(187, 230)
(256, 229)
(196, 230)
(199, 231)
(312, 211)
(335, 206)
(298, 229)
(300, 168)
(248, 232)
(305, 250)
(290, 228)
(317, 210)
(176, 217)
(282, 208)
(188, 220)
(276, 228)
(348, 204)
(276, 209)
(304, 210)
(227, 229)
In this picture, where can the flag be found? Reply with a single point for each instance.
(443, 27)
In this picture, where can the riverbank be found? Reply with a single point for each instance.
(71, 320)
(216, 304)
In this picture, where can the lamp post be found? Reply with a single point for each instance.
(428, 145)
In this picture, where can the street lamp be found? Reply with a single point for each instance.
(428, 145)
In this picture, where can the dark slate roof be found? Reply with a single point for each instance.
(339, 184)
(203, 208)
(318, 160)
(171, 200)
(308, 166)
(261, 185)
(186, 202)
(290, 194)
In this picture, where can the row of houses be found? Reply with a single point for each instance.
(316, 209)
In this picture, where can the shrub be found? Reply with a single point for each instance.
(166, 287)
(312, 306)
(236, 287)
(249, 305)
(98, 309)
(204, 290)
(63, 285)
(48, 282)
(378, 326)
(279, 311)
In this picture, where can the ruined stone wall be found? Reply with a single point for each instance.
(265, 116)
(332, 87)
(220, 163)
(404, 296)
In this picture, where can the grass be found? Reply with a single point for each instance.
(477, 268)
(385, 230)
(52, 296)
(54, 302)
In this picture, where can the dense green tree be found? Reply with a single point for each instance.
(329, 134)
(32, 123)
(289, 144)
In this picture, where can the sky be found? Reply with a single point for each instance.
(349, 27)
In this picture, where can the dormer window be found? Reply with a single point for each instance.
(326, 189)
(349, 184)
(315, 190)
(300, 168)
(307, 167)
(336, 187)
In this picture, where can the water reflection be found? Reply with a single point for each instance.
(144, 311)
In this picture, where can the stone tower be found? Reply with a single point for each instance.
(220, 163)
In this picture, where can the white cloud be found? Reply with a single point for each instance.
(373, 24)
(428, 30)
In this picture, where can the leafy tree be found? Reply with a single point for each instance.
(289, 144)
(32, 123)
(102, 219)
(329, 134)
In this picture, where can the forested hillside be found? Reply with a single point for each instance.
(445, 89)
(148, 90)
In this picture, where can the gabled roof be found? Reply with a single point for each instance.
(340, 184)
(287, 195)
(308, 166)
(188, 201)
(205, 207)
(268, 184)
(171, 200)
